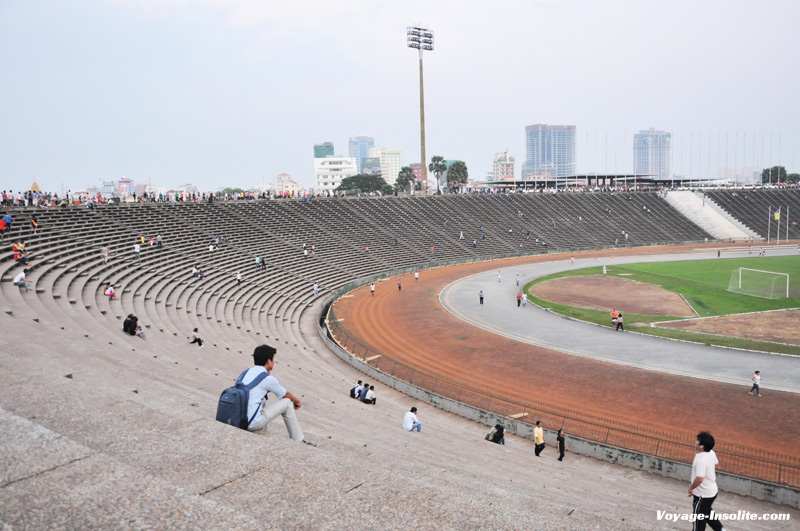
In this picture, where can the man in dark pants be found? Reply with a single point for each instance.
(703, 489)
(561, 446)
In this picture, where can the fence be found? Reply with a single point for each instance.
(734, 459)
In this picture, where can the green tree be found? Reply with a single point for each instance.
(365, 183)
(793, 178)
(457, 175)
(404, 179)
(776, 174)
(231, 191)
(437, 167)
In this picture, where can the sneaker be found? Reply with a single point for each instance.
(309, 443)
(759, 396)
(750, 393)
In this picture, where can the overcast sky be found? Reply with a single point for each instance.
(231, 93)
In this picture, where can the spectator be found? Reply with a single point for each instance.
(140, 333)
(104, 254)
(238, 278)
(286, 404)
(561, 445)
(703, 489)
(34, 223)
(110, 292)
(21, 281)
(159, 241)
(315, 288)
(411, 422)
(194, 337)
(129, 324)
(368, 396)
(355, 392)
(619, 323)
(497, 435)
(538, 438)
(136, 250)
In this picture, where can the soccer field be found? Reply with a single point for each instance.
(704, 283)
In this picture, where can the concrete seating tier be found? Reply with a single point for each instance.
(756, 208)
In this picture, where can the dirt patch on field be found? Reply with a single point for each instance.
(780, 327)
(604, 292)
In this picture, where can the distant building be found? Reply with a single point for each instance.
(391, 162)
(550, 149)
(358, 148)
(416, 167)
(125, 186)
(329, 172)
(652, 153)
(285, 185)
(323, 150)
(503, 167)
(371, 166)
(139, 189)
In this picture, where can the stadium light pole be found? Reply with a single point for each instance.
(421, 39)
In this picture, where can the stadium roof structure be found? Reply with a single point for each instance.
(598, 179)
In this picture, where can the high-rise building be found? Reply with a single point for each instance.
(370, 166)
(329, 172)
(391, 162)
(503, 167)
(550, 150)
(652, 153)
(323, 150)
(358, 148)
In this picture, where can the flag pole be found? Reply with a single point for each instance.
(769, 223)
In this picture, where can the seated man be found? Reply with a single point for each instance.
(20, 258)
(21, 281)
(411, 422)
(355, 392)
(260, 411)
(129, 324)
(368, 396)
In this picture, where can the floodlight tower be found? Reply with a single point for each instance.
(421, 39)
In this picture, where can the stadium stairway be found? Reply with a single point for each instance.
(721, 226)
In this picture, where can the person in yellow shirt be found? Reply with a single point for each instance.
(538, 438)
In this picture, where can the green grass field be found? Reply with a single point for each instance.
(704, 284)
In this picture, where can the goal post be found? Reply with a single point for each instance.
(759, 283)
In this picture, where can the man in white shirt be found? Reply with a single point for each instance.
(21, 281)
(356, 391)
(136, 250)
(704, 483)
(368, 397)
(411, 422)
(261, 411)
(756, 379)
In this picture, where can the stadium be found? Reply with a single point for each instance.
(106, 430)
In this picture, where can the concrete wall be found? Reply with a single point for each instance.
(655, 465)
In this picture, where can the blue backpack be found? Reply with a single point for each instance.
(232, 406)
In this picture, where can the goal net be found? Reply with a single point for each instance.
(758, 283)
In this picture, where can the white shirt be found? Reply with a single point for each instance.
(19, 277)
(136, 247)
(703, 466)
(370, 395)
(409, 420)
(257, 393)
(756, 377)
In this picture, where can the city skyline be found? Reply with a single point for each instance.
(236, 92)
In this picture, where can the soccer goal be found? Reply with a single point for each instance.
(758, 283)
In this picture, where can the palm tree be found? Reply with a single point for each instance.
(437, 167)
(457, 175)
(404, 179)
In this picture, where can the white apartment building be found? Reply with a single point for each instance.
(284, 184)
(503, 167)
(329, 172)
(391, 162)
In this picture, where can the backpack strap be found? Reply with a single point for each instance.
(257, 380)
